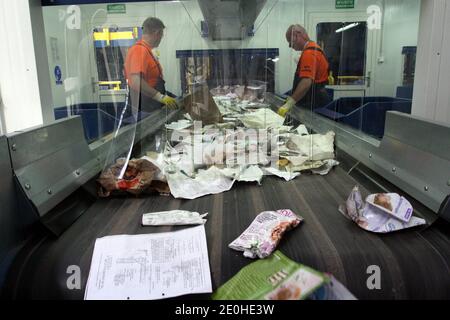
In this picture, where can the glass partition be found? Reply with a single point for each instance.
(220, 70)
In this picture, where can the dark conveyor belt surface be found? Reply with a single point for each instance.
(414, 264)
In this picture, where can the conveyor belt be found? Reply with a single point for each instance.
(415, 264)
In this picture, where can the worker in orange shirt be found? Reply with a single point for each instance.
(144, 72)
(311, 74)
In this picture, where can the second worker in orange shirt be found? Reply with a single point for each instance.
(311, 75)
(144, 72)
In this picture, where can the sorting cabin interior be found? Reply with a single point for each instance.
(67, 116)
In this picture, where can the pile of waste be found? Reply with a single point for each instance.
(251, 142)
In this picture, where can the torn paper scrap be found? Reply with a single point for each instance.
(172, 218)
(297, 160)
(158, 160)
(265, 232)
(251, 174)
(301, 130)
(315, 146)
(244, 173)
(307, 165)
(138, 267)
(286, 175)
(326, 167)
(179, 125)
(371, 218)
(210, 181)
(262, 119)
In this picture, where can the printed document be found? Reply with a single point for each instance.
(149, 266)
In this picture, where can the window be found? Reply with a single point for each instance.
(111, 47)
(345, 47)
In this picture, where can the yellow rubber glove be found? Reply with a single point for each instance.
(286, 107)
(169, 102)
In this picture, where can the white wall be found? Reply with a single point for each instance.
(56, 28)
(401, 28)
(18, 77)
(432, 95)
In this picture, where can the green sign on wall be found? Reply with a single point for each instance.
(117, 8)
(345, 4)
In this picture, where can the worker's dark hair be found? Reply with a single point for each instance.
(152, 24)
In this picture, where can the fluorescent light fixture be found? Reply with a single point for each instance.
(352, 25)
(274, 59)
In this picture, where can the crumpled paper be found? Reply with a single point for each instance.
(210, 181)
(326, 167)
(262, 119)
(314, 146)
(244, 173)
(286, 175)
(180, 124)
(371, 218)
(173, 218)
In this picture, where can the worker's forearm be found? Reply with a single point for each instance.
(302, 88)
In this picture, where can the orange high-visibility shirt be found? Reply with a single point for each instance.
(313, 64)
(140, 60)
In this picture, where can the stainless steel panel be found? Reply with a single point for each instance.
(47, 171)
(46, 200)
(8, 202)
(49, 160)
(423, 134)
(224, 23)
(36, 143)
(52, 162)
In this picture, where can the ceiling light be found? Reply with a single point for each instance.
(352, 25)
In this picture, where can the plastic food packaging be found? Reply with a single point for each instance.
(265, 232)
(172, 218)
(392, 204)
(274, 278)
(372, 218)
(332, 290)
(137, 177)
